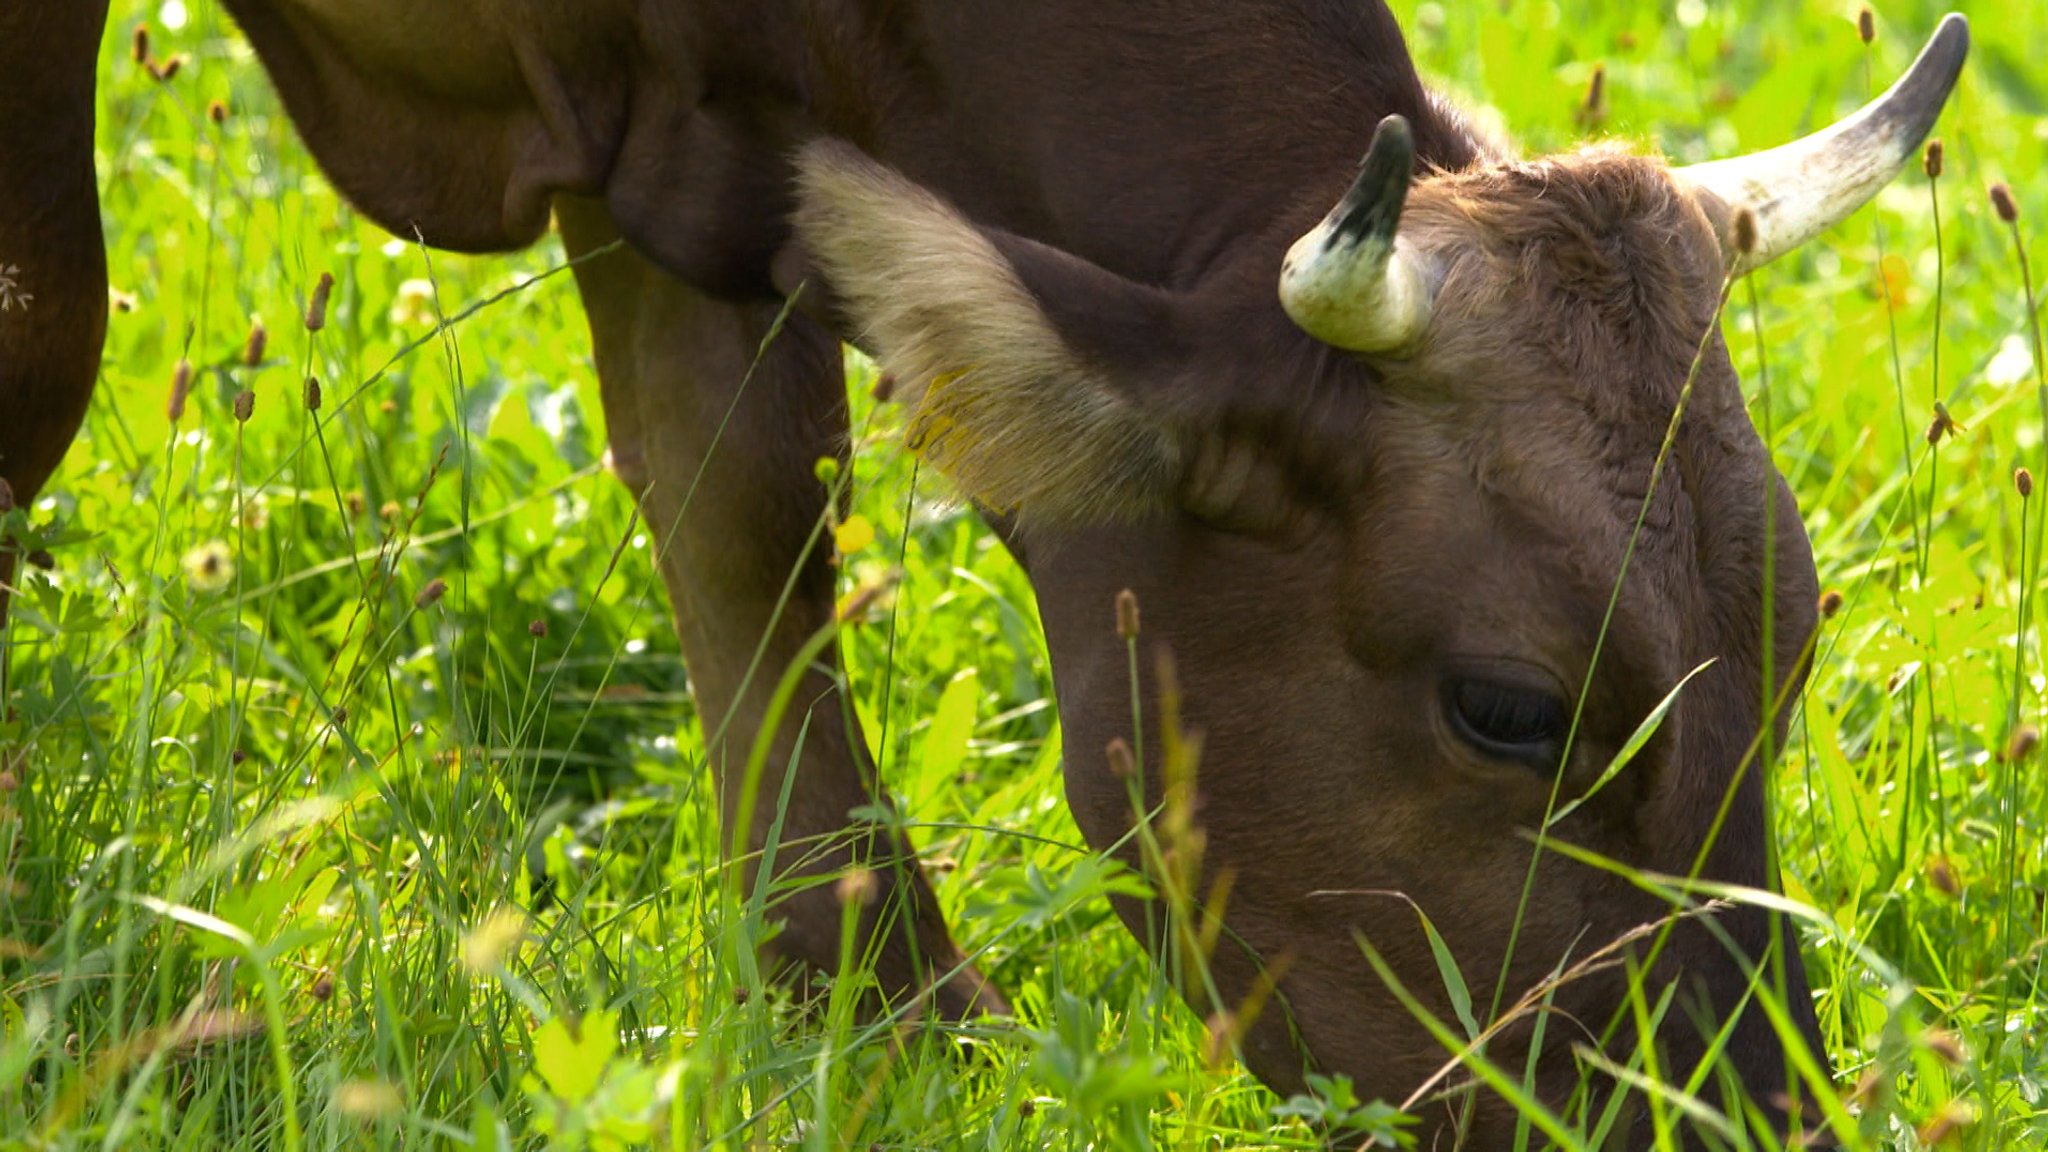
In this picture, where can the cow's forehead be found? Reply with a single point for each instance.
(1594, 269)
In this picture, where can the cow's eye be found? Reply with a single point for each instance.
(1507, 720)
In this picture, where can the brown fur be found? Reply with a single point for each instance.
(1063, 228)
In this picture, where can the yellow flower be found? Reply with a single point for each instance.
(853, 535)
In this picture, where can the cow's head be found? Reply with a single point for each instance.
(1422, 552)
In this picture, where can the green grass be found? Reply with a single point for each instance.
(270, 807)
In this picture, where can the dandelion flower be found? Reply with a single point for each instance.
(210, 567)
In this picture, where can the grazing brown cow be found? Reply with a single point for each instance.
(1380, 516)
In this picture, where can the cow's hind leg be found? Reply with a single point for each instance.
(725, 466)
(53, 267)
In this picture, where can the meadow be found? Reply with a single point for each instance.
(351, 792)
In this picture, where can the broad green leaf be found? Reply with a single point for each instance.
(945, 744)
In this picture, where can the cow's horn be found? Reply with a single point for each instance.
(1802, 189)
(1348, 282)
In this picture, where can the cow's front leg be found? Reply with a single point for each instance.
(724, 464)
(53, 266)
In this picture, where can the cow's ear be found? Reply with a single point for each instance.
(1028, 370)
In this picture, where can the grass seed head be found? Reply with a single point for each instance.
(316, 309)
(1593, 107)
(2002, 203)
(167, 70)
(311, 395)
(1743, 231)
(858, 888)
(9, 782)
(1866, 24)
(1930, 160)
(181, 388)
(2024, 481)
(258, 341)
(322, 989)
(138, 44)
(1941, 875)
(217, 111)
(1127, 615)
(2025, 739)
(1221, 1028)
(1122, 764)
(537, 629)
(1947, 1124)
(1830, 603)
(245, 406)
(431, 594)
(1946, 1046)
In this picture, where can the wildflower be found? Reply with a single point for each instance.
(210, 567)
(1127, 615)
(488, 944)
(854, 534)
(367, 1100)
(415, 303)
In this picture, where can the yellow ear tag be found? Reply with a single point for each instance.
(930, 427)
(935, 437)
